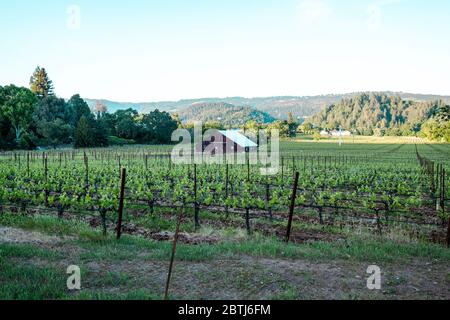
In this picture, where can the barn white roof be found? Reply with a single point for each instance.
(237, 137)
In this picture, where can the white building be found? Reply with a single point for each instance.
(338, 133)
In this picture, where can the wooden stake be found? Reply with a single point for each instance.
(122, 193)
(291, 208)
(172, 258)
(196, 208)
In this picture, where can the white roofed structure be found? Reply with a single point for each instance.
(238, 138)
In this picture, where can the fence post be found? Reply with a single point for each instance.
(46, 179)
(86, 166)
(291, 208)
(196, 206)
(247, 221)
(122, 194)
(172, 258)
(28, 163)
(443, 207)
(226, 187)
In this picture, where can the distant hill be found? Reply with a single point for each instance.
(225, 113)
(377, 113)
(277, 107)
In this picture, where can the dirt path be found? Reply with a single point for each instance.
(245, 277)
(14, 235)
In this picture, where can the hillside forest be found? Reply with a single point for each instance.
(382, 115)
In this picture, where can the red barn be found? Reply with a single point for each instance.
(227, 141)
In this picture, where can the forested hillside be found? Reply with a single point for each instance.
(277, 107)
(227, 114)
(378, 114)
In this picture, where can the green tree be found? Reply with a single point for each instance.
(253, 126)
(84, 134)
(176, 118)
(90, 133)
(158, 127)
(279, 125)
(292, 124)
(55, 132)
(78, 108)
(306, 128)
(17, 107)
(52, 119)
(40, 83)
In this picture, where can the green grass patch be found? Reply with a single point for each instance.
(27, 251)
(22, 282)
(133, 295)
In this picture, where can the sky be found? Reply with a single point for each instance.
(148, 50)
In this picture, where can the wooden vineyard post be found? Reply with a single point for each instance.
(46, 179)
(196, 207)
(86, 166)
(28, 164)
(122, 195)
(442, 188)
(268, 208)
(443, 207)
(439, 187)
(433, 185)
(172, 258)
(226, 188)
(292, 206)
(248, 167)
(247, 221)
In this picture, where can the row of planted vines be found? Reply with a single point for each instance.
(378, 189)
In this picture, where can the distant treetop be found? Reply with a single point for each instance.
(40, 84)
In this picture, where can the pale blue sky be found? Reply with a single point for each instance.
(171, 49)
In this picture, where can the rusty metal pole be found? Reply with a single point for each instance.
(122, 194)
(291, 208)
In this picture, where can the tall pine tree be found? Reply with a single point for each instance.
(40, 83)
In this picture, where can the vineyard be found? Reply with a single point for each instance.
(384, 190)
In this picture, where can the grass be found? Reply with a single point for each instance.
(289, 293)
(23, 282)
(48, 224)
(27, 251)
(37, 272)
(134, 295)
(354, 248)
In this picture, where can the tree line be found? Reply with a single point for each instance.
(382, 115)
(36, 117)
